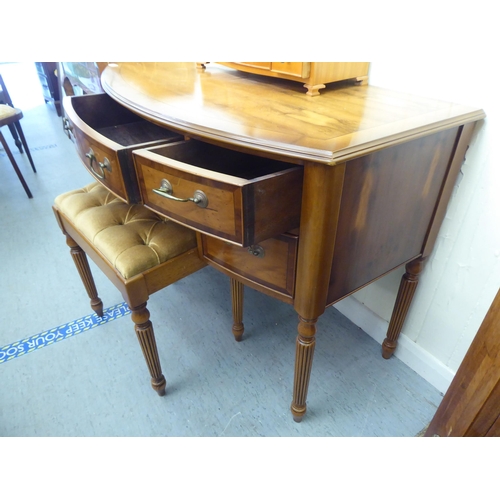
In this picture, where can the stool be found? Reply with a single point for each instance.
(136, 249)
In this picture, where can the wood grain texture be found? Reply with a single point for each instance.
(99, 123)
(314, 75)
(249, 111)
(321, 198)
(377, 173)
(241, 189)
(388, 202)
(274, 270)
(457, 159)
(471, 405)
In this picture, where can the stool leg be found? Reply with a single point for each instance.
(14, 164)
(146, 336)
(12, 129)
(82, 264)
(23, 140)
(237, 303)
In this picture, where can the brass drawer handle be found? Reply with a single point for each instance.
(106, 165)
(68, 129)
(165, 190)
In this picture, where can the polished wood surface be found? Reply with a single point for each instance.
(269, 116)
(270, 264)
(240, 190)
(407, 176)
(105, 134)
(314, 75)
(377, 169)
(471, 405)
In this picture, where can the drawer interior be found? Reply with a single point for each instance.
(221, 160)
(117, 123)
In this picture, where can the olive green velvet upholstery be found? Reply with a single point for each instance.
(132, 238)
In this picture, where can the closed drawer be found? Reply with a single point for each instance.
(248, 198)
(268, 266)
(299, 69)
(105, 133)
(260, 65)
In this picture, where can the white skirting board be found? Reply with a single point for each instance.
(419, 360)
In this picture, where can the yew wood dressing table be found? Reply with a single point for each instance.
(307, 199)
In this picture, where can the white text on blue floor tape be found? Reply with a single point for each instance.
(54, 335)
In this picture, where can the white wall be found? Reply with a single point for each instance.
(462, 275)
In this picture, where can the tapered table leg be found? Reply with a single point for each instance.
(237, 303)
(407, 288)
(304, 352)
(321, 197)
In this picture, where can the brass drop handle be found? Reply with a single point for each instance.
(166, 190)
(106, 165)
(68, 129)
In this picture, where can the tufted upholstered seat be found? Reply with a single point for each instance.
(138, 251)
(132, 238)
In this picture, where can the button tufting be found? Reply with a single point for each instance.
(124, 247)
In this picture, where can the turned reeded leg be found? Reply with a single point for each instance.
(321, 196)
(407, 288)
(304, 352)
(146, 336)
(237, 303)
(82, 264)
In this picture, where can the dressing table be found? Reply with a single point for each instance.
(307, 199)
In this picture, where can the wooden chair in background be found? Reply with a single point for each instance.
(10, 116)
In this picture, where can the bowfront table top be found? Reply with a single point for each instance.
(257, 112)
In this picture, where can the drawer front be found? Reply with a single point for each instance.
(239, 210)
(259, 65)
(102, 162)
(222, 215)
(105, 134)
(298, 69)
(270, 265)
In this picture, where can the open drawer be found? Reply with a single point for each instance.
(105, 133)
(238, 197)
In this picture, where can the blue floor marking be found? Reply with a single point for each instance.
(48, 337)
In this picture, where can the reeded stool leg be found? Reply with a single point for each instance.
(82, 264)
(146, 337)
